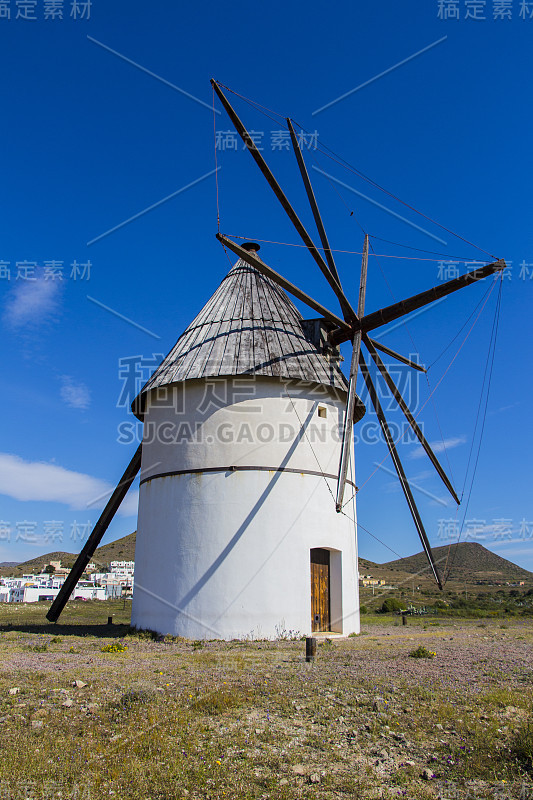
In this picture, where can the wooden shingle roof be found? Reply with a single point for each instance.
(248, 327)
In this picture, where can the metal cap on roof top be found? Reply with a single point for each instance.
(251, 246)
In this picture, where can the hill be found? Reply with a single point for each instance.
(470, 562)
(121, 550)
(366, 566)
(34, 565)
(467, 561)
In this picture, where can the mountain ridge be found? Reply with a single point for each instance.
(468, 561)
(465, 561)
(122, 549)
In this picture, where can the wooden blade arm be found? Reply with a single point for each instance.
(410, 419)
(352, 397)
(390, 313)
(397, 356)
(399, 469)
(348, 311)
(255, 262)
(96, 537)
(276, 188)
(347, 434)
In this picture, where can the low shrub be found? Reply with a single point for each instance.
(390, 605)
(217, 702)
(144, 633)
(422, 652)
(116, 647)
(136, 697)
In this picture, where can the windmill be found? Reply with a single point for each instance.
(221, 556)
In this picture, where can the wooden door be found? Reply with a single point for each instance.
(320, 614)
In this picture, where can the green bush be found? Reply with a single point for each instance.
(116, 647)
(422, 652)
(390, 605)
(143, 634)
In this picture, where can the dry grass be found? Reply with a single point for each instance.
(172, 719)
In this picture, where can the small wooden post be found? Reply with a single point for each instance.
(110, 620)
(310, 648)
(404, 619)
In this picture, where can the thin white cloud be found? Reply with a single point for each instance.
(511, 543)
(75, 395)
(130, 504)
(422, 476)
(505, 408)
(439, 447)
(31, 301)
(39, 481)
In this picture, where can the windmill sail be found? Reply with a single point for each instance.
(355, 327)
(400, 471)
(350, 405)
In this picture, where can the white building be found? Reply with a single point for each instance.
(111, 580)
(40, 588)
(123, 572)
(122, 567)
(237, 531)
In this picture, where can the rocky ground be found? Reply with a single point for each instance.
(161, 720)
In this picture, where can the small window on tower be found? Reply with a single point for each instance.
(322, 411)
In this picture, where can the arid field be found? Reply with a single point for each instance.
(158, 720)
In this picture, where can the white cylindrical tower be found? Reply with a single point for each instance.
(237, 532)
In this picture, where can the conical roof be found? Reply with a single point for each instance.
(248, 327)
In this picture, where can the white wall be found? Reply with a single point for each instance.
(239, 433)
(227, 554)
(32, 593)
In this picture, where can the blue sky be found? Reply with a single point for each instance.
(437, 110)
